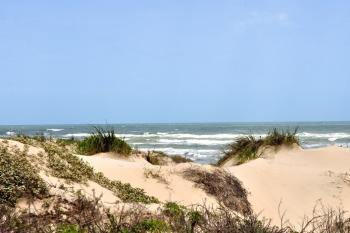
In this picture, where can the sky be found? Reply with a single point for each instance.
(146, 61)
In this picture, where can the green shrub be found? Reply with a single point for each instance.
(102, 140)
(18, 178)
(151, 225)
(125, 192)
(68, 228)
(173, 209)
(65, 165)
(248, 148)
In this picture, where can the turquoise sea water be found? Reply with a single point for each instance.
(202, 142)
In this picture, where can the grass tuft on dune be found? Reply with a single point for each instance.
(162, 158)
(103, 140)
(249, 147)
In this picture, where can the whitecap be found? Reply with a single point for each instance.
(187, 136)
(324, 135)
(55, 130)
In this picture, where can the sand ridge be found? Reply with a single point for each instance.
(297, 180)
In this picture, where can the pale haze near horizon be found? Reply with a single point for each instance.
(174, 61)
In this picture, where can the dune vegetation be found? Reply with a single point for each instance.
(23, 169)
(161, 158)
(18, 177)
(103, 140)
(57, 161)
(247, 148)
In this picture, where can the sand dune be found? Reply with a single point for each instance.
(173, 188)
(298, 179)
(293, 181)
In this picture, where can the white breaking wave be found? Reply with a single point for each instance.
(188, 136)
(55, 130)
(194, 141)
(10, 133)
(330, 136)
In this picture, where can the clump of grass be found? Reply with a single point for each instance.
(226, 188)
(243, 149)
(155, 174)
(279, 138)
(156, 158)
(180, 159)
(249, 147)
(161, 158)
(18, 178)
(103, 140)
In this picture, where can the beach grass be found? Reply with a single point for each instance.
(225, 187)
(162, 158)
(247, 148)
(103, 140)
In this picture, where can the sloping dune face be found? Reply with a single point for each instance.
(294, 182)
(164, 182)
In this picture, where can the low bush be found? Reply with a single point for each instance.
(180, 159)
(161, 158)
(18, 178)
(83, 215)
(102, 140)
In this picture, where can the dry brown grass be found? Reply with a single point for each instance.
(226, 188)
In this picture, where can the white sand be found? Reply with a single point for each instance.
(298, 179)
(177, 189)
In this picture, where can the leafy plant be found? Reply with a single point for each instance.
(18, 178)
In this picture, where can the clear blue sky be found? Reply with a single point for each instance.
(174, 61)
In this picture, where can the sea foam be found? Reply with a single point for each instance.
(55, 130)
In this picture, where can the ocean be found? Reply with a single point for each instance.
(202, 142)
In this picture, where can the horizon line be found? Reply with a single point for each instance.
(170, 123)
